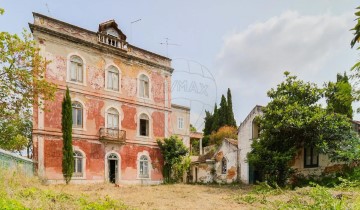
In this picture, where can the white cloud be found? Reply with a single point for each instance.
(251, 61)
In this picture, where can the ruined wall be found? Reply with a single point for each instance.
(244, 143)
(204, 172)
(325, 165)
(228, 151)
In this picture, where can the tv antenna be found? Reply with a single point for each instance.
(47, 7)
(167, 45)
(131, 24)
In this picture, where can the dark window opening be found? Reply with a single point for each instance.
(311, 157)
(144, 127)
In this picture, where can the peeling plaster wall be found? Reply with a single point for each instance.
(96, 100)
(204, 172)
(324, 164)
(95, 159)
(229, 151)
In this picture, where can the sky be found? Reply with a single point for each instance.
(214, 45)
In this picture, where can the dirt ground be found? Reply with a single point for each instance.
(177, 196)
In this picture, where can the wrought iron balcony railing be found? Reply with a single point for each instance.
(112, 135)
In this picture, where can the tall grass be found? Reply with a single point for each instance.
(20, 192)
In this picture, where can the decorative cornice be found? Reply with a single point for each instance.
(101, 48)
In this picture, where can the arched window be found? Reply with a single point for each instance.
(144, 167)
(112, 78)
(112, 118)
(144, 86)
(77, 115)
(78, 164)
(76, 69)
(223, 165)
(144, 125)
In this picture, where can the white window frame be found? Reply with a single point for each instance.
(110, 69)
(83, 162)
(116, 115)
(106, 175)
(74, 124)
(140, 86)
(148, 125)
(139, 155)
(180, 123)
(69, 66)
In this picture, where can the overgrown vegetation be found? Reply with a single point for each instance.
(176, 161)
(223, 132)
(19, 192)
(264, 196)
(294, 119)
(66, 128)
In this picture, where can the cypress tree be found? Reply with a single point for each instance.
(223, 112)
(66, 127)
(208, 123)
(215, 124)
(339, 96)
(231, 120)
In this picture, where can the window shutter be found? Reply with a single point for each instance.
(73, 71)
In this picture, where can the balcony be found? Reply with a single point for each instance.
(112, 41)
(110, 135)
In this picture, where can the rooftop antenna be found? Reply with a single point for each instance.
(131, 23)
(47, 7)
(167, 45)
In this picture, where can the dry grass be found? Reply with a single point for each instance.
(177, 196)
(30, 193)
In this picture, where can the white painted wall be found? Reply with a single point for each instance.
(244, 143)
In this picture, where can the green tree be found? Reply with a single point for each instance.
(354, 41)
(208, 120)
(175, 161)
(215, 121)
(339, 96)
(22, 87)
(294, 119)
(192, 128)
(230, 115)
(223, 112)
(66, 127)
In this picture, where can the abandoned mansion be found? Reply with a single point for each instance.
(121, 104)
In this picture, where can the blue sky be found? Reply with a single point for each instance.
(243, 45)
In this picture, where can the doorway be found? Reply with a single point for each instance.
(113, 168)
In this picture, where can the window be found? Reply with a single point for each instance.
(77, 115)
(223, 165)
(255, 130)
(144, 86)
(180, 123)
(311, 157)
(113, 78)
(112, 118)
(144, 167)
(76, 69)
(78, 164)
(144, 125)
